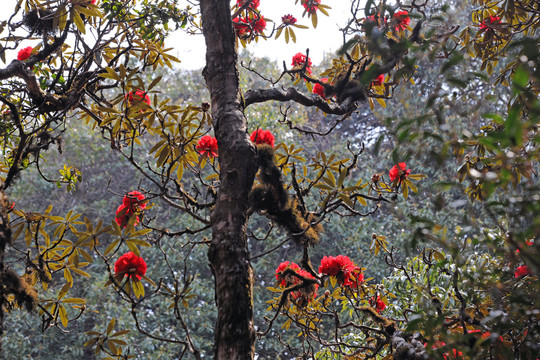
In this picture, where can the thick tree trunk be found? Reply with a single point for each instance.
(228, 254)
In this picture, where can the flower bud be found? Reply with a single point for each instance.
(205, 106)
(375, 178)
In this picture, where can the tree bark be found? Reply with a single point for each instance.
(228, 253)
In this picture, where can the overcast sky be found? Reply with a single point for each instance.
(326, 38)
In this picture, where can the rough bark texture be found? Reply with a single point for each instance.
(5, 237)
(228, 254)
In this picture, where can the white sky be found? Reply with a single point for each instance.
(190, 49)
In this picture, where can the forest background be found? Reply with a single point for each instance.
(456, 218)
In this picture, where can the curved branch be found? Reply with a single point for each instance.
(292, 94)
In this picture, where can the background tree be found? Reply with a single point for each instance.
(185, 192)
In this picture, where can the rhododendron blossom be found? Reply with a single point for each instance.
(130, 265)
(207, 146)
(399, 171)
(134, 201)
(319, 89)
(258, 25)
(24, 53)
(378, 81)
(254, 3)
(240, 26)
(376, 19)
(521, 271)
(260, 136)
(343, 268)
(488, 23)
(123, 214)
(308, 292)
(299, 60)
(288, 20)
(287, 280)
(453, 354)
(136, 97)
(378, 304)
(311, 6)
(402, 20)
(281, 269)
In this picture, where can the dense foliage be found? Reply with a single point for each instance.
(381, 205)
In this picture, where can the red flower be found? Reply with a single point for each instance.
(319, 89)
(455, 354)
(343, 268)
(487, 24)
(379, 80)
(402, 20)
(304, 294)
(288, 20)
(130, 265)
(483, 335)
(299, 60)
(90, 1)
(378, 303)
(25, 53)
(522, 271)
(123, 214)
(258, 25)
(134, 201)
(281, 269)
(398, 172)
(241, 26)
(307, 293)
(136, 97)
(254, 3)
(311, 6)
(207, 146)
(377, 19)
(527, 242)
(262, 137)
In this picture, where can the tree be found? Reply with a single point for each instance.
(103, 78)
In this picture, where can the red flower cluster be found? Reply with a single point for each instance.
(242, 26)
(522, 271)
(376, 18)
(399, 171)
(378, 81)
(291, 280)
(130, 265)
(136, 97)
(528, 243)
(254, 3)
(488, 23)
(402, 20)
(347, 273)
(283, 280)
(454, 354)
(88, 1)
(24, 53)
(258, 25)
(299, 60)
(377, 303)
(288, 20)
(311, 6)
(207, 146)
(262, 137)
(132, 203)
(319, 89)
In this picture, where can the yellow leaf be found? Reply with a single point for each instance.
(79, 22)
(63, 316)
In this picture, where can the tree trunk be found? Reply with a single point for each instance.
(228, 253)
